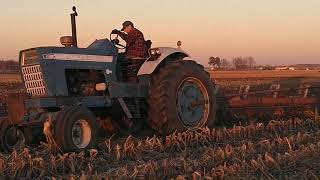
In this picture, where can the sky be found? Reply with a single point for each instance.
(274, 32)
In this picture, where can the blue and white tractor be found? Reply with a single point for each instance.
(80, 90)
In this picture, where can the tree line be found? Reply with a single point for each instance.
(238, 63)
(9, 66)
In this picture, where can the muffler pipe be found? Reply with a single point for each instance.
(73, 26)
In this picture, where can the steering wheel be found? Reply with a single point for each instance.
(115, 41)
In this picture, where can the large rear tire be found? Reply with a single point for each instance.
(181, 97)
(76, 129)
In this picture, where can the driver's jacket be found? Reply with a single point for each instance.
(136, 46)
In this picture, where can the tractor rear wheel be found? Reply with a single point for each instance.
(76, 129)
(181, 97)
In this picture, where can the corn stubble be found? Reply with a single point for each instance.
(281, 149)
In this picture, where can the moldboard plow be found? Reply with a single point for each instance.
(266, 105)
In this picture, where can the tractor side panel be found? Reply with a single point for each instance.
(123, 90)
(55, 62)
(88, 101)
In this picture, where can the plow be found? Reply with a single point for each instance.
(274, 103)
(73, 94)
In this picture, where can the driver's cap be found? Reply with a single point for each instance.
(125, 24)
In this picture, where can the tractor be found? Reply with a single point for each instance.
(78, 89)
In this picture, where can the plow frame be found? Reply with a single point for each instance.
(245, 101)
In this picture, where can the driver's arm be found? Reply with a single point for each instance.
(124, 36)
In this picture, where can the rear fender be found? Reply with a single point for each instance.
(166, 53)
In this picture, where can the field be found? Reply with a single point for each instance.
(281, 149)
(230, 81)
(266, 74)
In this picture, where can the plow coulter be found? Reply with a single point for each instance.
(266, 105)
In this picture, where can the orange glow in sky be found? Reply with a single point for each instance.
(274, 31)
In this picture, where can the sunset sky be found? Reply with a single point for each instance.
(275, 32)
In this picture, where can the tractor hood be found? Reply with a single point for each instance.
(101, 47)
(43, 68)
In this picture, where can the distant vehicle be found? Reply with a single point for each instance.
(266, 68)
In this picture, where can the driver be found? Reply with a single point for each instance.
(136, 48)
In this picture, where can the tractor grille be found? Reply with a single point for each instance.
(33, 80)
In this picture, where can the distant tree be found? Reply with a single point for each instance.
(214, 61)
(239, 63)
(225, 64)
(9, 66)
(211, 61)
(251, 62)
(244, 63)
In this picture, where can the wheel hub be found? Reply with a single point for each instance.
(192, 102)
(81, 133)
(14, 138)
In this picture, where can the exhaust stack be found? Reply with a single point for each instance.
(73, 26)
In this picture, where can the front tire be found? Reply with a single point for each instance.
(13, 137)
(76, 129)
(181, 97)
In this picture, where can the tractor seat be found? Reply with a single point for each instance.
(148, 44)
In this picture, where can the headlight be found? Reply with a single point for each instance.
(154, 52)
(29, 57)
(101, 87)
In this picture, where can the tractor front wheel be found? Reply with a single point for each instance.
(13, 137)
(76, 129)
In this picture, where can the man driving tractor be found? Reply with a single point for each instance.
(136, 50)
